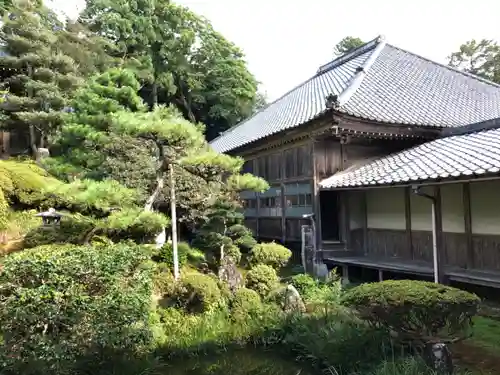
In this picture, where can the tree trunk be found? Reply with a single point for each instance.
(154, 94)
(160, 184)
(160, 180)
(32, 138)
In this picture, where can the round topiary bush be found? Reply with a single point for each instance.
(245, 302)
(262, 279)
(304, 283)
(166, 254)
(234, 252)
(245, 243)
(197, 293)
(76, 301)
(417, 311)
(271, 254)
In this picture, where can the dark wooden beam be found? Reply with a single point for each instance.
(283, 198)
(409, 239)
(468, 224)
(315, 194)
(364, 210)
(360, 125)
(438, 217)
(256, 173)
(346, 218)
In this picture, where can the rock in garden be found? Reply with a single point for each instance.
(229, 273)
(439, 358)
(290, 300)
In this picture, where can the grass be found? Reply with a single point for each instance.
(486, 334)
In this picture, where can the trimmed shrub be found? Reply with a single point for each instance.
(62, 303)
(245, 302)
(164, 280)
(270, 254)
(304, 283)
(245, 243)
(262, 279)
(242, 237)
(234, 252)
(197, 293)
(166, 254)
(196, 257)
(417, 311)
(70, 231)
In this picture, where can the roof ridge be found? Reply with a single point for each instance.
(349, 55)
(372, 44)
(470, 75)
(360, 74)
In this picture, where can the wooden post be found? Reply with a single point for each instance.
(283, 197)
(257, 208)
(364, 206)
(409, 240)
(438, 236)
(316, 195)
(345, 274)
(347, 219)
(468, 225)
(380, 275)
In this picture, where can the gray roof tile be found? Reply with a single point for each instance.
(455, 156)
(394, 86)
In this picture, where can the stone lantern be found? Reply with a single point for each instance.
(50, 218)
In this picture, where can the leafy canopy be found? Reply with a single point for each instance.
(481, 58)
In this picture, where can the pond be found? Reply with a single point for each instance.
(239, 362)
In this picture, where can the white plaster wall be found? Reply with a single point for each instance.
(485, 207)
(386, 208)
(355, 207)
(421, 210)
(452, 208)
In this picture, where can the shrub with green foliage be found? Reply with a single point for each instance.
(416, 311)
(271, 254)
(197, 293)
(166, 254)
(70, 231)
(242, 237)
(245, 301)
(245, 243)
(262, 279)
(304, 283)
(62, 303)
(234, 252)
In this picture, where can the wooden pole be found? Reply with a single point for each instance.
(173, 217)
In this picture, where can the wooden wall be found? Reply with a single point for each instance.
(277, 213)
(398, 224)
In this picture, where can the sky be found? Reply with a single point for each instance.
(286, 41)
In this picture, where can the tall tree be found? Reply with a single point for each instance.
(346, 45)
(86, 147)
(41, 77)
(481, 58)
(180, 58)
(260, 101)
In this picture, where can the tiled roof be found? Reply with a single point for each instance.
(461, 155)
(379, 82)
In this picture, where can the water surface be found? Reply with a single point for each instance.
(240, 362)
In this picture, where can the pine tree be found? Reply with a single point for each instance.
(41, 77)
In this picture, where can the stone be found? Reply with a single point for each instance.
(320, 271)
(438, 358)
(43, 153)
(290, 300)
(230, 274)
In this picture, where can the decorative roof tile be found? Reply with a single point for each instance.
(461, 155)
(379, 82)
